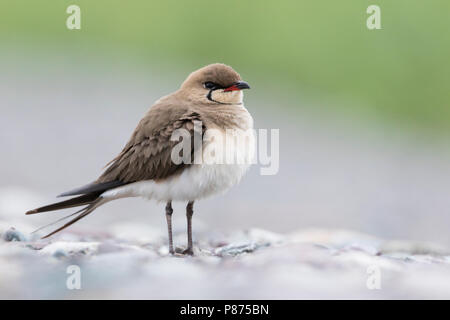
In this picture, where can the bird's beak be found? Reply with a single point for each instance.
(240, 85)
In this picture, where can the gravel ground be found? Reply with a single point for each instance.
(132, 262)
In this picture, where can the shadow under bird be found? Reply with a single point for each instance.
(211, 96)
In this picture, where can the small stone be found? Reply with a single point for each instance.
(163, 250)
(13, 235)
(239, 248)
(60, 254)
(62, 248)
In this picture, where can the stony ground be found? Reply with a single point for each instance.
(133, 262)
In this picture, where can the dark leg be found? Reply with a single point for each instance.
(189, 213)
(169, 212)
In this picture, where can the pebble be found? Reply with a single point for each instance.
(13, 235)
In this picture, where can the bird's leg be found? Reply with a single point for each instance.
(169, 212)
(189, 214)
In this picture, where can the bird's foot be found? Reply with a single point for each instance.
(188, 251)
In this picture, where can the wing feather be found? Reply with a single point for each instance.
(148, 156)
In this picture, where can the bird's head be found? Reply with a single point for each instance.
(215, 84)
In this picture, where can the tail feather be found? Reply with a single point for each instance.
(74, 202)
(91, 202)
(90, 198)
(82, 213)
(56, 221)
(94, 187)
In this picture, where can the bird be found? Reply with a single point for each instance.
(209, 100)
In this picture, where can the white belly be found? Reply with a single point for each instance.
(195, 182)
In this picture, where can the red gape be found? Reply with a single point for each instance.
(232, 88)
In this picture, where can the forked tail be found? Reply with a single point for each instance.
(90, 196)
(92, 202)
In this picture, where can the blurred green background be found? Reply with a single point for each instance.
(319, 50)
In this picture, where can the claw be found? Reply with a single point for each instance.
(188, 251)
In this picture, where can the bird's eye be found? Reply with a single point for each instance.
(210, 85)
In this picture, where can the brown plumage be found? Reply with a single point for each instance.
(147, 155)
